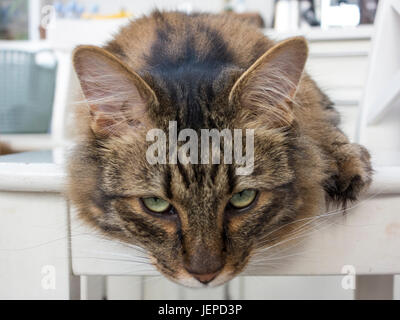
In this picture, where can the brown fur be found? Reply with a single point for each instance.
(206, 71)
(5, 149)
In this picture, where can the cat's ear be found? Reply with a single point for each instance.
(118, 98)
(266, 90)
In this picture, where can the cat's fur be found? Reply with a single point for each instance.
(205, 71)
(5, 149)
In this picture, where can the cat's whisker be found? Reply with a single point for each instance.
(322, 216)
(274, 257)
(135, 261)
(303, 235)
(301, 229)
(259, 253)
(303, 232)
(262, 268)
(118, 255)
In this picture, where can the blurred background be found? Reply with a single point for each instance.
(37, 85)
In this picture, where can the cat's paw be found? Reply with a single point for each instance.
(354, 174)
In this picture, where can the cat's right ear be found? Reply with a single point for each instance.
(118, 97)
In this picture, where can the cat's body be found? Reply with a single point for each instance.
(205, 72)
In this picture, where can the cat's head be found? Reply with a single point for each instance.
(200, 223)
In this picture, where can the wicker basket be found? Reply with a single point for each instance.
(26, 92)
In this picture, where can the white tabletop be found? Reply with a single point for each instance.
(39, 171)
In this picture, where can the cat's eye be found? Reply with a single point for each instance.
(243, 199)
(156, 204)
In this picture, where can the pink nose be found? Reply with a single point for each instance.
(206, 277)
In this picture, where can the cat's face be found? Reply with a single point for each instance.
(200, 223)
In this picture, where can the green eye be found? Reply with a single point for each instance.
(156, 204)
(243, 199)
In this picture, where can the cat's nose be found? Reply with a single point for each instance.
(206, 277)
(203, 267)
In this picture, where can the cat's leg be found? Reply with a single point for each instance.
(350, 171)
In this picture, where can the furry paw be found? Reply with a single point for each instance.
(354, 174)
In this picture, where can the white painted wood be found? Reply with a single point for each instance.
(396, 290)
(34, 19)
(93, 254)
(28, 142)
(125, 288)
(162, 288)
(385, 99)
(318, 34)
(383, 67)
(155, 288)
(379, 287)
(31, 177)
(367, 238)
(333, 72)
(350, 47)
(93, 288)
(68, 33)
(329, 64)
(62, 98)
(31, 46)
(32, 171)
(234, 289)
(348, 114)
(295, 288)
(34, 247)
(217, 293)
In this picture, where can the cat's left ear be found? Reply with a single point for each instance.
(118, 97)
(266, 90)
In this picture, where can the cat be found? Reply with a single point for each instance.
(202, 223)
(5, 149)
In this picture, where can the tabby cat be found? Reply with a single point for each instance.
(201, 223)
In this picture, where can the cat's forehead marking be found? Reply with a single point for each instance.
(197, 44)
(184, 70)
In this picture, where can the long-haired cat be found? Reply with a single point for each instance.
(201, 223)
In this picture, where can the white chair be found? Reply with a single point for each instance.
(379, 120)
(378, 125)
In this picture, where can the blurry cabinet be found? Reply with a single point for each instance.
(340, 68)
(338, 62)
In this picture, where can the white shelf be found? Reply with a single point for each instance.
(318, 34)
(28, 142)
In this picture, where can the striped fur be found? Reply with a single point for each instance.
(189, 65)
